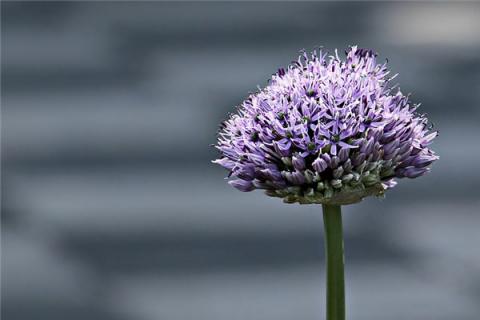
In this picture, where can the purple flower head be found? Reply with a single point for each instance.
(326, 130)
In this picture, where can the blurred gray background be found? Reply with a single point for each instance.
(112, 210)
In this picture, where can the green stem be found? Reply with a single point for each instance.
(332, 219)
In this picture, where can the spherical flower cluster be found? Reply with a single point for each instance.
(326, 131)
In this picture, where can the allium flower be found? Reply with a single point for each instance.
(326, 130)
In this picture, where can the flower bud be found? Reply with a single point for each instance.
(334, 162)
(287, 161)
(298, 162)
(423, 160)
(369, 180)
(246, 172)
(367, 146)
(319, 165)
(295, 178)
(412, 172)
(336, 183)
(358, 159)
(361, 167)
(343, 154)
(347, 166)
(347, 178)
(308, 175)
(337, 173)
(390, 147)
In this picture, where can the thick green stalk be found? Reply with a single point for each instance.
(332, 219)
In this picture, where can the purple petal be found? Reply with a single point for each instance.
(242, 185)
(226, 163)
(346, 145)
(425, 141)
(333, 149)
(389, 184)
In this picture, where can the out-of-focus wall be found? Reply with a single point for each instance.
(111, 208)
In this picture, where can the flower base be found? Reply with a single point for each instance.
(329, 196)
